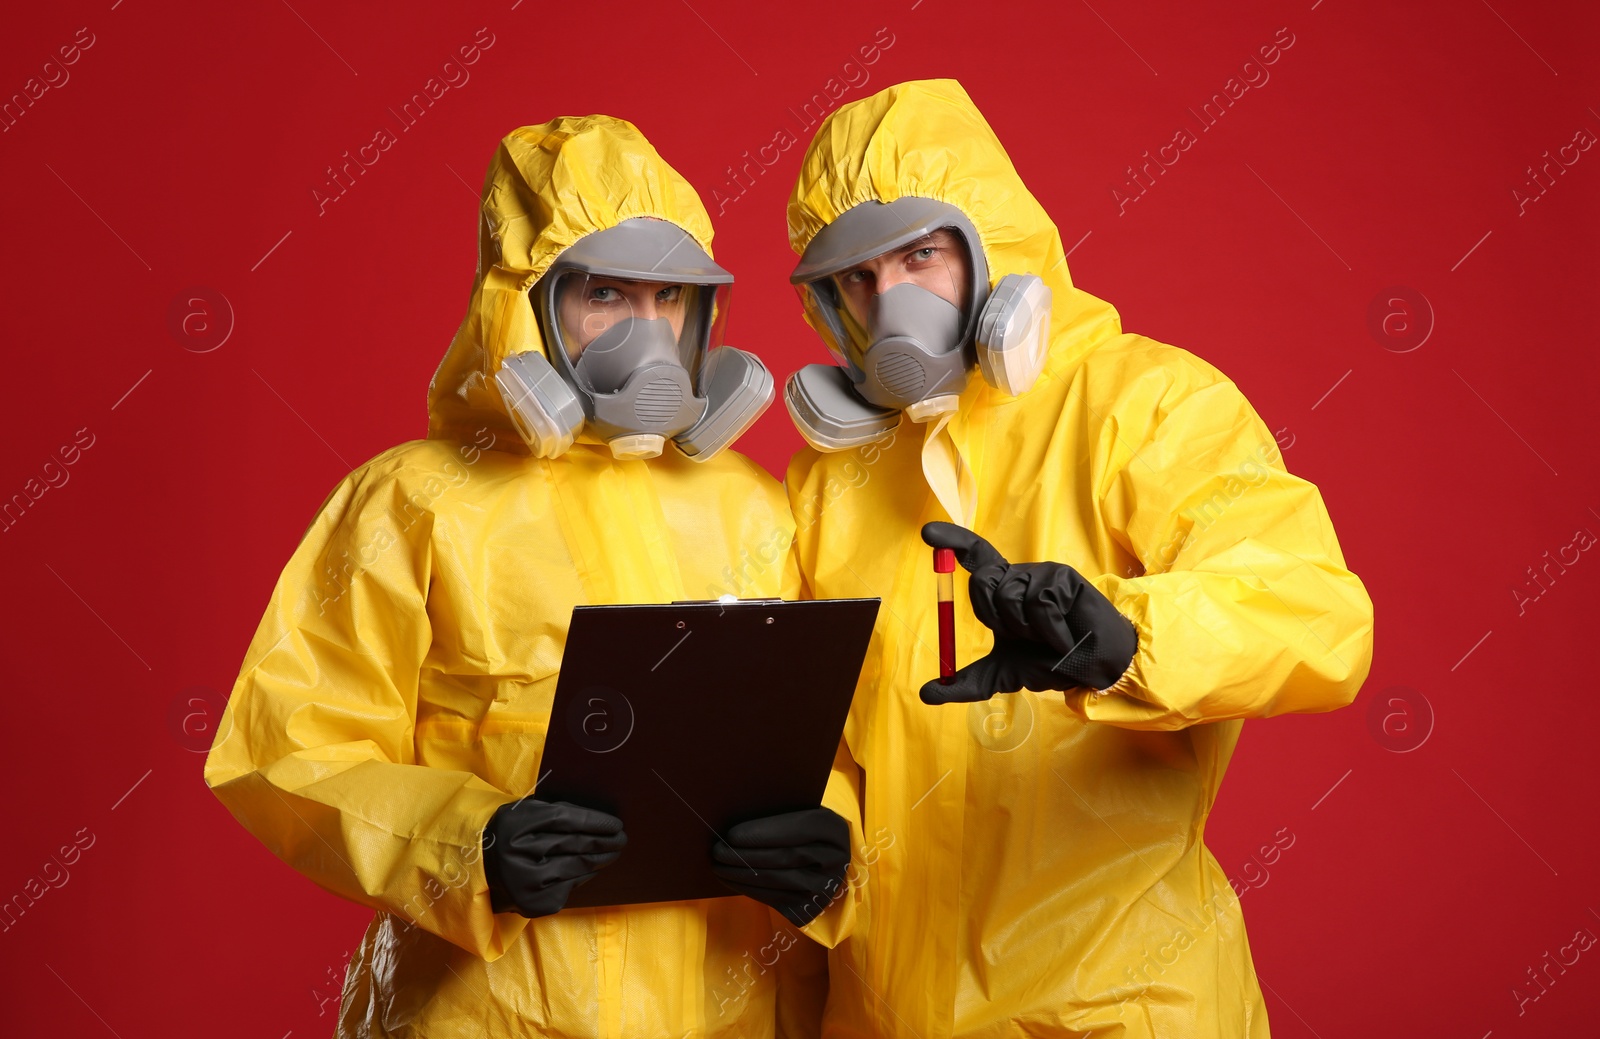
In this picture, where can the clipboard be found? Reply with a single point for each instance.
(684, 719)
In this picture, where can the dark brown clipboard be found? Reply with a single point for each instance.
(684, 719)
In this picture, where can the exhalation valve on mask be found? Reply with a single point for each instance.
(919, 346)
(641, 381)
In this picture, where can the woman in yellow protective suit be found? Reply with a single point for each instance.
(1036, 822)
(385, 733)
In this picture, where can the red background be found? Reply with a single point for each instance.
(1423, 881)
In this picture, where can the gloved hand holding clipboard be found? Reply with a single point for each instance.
(684, 720)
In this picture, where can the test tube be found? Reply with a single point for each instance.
(944, 565)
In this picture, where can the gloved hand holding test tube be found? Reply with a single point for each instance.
(1053, 629)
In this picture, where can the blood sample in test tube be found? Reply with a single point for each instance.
(944, 565)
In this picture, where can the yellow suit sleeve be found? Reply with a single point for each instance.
(315, 754)
(1245, 607)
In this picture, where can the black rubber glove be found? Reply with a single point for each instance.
(1052, 629)
(795, 863)
(536, 852)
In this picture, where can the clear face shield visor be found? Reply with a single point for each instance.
(858, 309)
(634, 350)
(643, 292)
(606, 327)
(632, 319)
(900, 292)
(894, 288)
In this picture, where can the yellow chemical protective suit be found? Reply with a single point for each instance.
(1037, 865)
(397, 690)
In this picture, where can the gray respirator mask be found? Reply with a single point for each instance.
(632, 319)
(914, 356)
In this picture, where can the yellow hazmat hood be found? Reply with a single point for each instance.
(547, 187)
(927, 139)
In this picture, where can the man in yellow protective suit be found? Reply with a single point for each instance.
(385, 733)
(1144, 575)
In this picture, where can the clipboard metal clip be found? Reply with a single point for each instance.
(724, 600)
